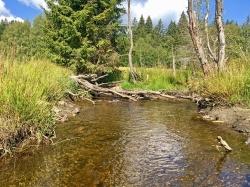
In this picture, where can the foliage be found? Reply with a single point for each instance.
(149, 25)
(153, 44)
(3, 25)
(16, 40)
(23, 41)
(82, 33)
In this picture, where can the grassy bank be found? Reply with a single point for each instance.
(231, 86)
(27, 94)
(156, 79)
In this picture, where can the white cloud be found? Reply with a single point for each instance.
(35, 3)
(165, 9)
(5, 14)
(11, 18)
(3, 9)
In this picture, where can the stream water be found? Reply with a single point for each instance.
(133, 144)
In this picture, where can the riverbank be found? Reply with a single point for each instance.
(28, 93)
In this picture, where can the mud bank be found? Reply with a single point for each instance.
(235, 117)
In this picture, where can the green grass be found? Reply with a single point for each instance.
(156, 79)
(232, 86)
(28, 92)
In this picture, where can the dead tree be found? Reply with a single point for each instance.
(212, 54)
(221, 36)
(130, 32)
(196, 39)
(201, 52)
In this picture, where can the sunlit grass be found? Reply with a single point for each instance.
(232, 86)
(27, 93)
(156, 79)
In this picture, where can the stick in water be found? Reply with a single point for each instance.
(224, 144)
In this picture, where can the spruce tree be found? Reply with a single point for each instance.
(149, 25)
(173, 30)
(82, 33)
(159, 28)
(141, 24)
(184, 49)
(183, 29)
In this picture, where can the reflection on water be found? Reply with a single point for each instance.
(133, 144)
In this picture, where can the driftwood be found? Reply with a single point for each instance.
(89, 83)
(224, 144)
(97, 89)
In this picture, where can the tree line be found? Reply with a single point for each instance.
(90, 36)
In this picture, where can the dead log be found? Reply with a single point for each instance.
(144, 93)
(97, 89)
(99, 78)
(87, 83)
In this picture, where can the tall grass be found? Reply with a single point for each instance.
(156, 79)
(232, 86)
(28, 92)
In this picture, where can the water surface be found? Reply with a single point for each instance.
(142, 144)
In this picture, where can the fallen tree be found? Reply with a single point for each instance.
(89, 83)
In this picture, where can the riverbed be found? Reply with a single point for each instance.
(149, 143)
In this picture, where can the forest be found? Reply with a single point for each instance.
(199, 54)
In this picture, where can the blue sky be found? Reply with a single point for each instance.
(236, 10)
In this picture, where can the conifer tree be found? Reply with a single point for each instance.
(149, 25)
(185, 47)
(83, 32)
(159, 28)
(140, 30)
(141, 23)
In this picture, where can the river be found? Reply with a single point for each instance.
(148, 143)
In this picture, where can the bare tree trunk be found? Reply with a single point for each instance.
(210, 51)
(174, 64)
(221, 36)
(130, 60)
(197, 42)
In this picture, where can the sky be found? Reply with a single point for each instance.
(166, 9)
